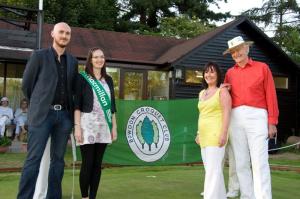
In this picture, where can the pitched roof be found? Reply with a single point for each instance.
(116, 45)
(126, 47)
(133, 48)
(176, 52)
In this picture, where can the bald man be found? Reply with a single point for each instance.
(48, 82)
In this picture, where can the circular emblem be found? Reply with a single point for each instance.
(148, 134)
(91, 139)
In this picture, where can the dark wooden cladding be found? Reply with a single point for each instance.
(187, 91)
(18, 38)
(262, 50)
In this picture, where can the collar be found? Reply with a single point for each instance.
(55, 53)
(249, 63)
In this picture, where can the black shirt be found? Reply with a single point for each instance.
(61, 91)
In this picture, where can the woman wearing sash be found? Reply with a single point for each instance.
(94, 120)
(214, 107)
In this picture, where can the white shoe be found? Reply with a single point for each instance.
(202, 194)
(232, 194)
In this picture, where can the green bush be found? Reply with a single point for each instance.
(5, 141)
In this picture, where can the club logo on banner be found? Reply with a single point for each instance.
(148, 134)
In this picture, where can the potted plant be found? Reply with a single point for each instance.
(5, 142)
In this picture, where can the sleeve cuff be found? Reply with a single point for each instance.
(273, 120)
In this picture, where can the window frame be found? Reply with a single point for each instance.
(288, 82)
(192, 69)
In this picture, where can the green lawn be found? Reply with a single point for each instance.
(156, 182)
(16, 160)
(286, 158)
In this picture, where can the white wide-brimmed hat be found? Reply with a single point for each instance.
(236, 42)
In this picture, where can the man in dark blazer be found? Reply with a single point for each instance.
(48, 84)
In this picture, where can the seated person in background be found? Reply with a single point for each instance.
(6, 114)
(21, 117)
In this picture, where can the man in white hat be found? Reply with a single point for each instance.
(253, 119)
(6, 115)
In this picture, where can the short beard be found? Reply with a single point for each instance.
(60, 45)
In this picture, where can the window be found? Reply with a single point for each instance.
(193, 76)
(115, 74)
(133, 85)
(81, 67)
(158, 85)
(11, 85)
(281, 82)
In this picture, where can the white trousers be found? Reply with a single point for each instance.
(214, 186)
(41, 185)
(20, 121)
(249, 141)
(4, 120)
(233, 182)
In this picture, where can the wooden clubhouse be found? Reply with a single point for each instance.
(156, 68)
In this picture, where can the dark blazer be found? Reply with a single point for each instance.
(39, 83)
(84, 97)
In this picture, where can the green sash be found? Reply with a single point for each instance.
(102, 96)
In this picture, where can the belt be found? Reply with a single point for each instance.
(57, 107)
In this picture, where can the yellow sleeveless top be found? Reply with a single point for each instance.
(210, 119)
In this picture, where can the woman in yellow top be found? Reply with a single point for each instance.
(214, 107)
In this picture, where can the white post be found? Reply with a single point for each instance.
(40, 4)
(40, 22)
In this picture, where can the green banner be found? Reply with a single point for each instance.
(155, 133)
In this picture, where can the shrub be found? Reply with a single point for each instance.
(5, 141)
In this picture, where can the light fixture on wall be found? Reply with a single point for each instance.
(178, 73)
(170, 74)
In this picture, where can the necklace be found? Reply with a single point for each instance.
(207, 92)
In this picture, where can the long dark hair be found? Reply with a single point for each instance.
(89, 66)
(214, 67)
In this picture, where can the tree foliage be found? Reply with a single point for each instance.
(98, 14)
(150, 13)
(199, 9)
(179, 18)
(145, 11)
(23, 15)
(291, 42)
(21, 3)
(276, 12)
(181, 27)
(284, 17)
(62, 10)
